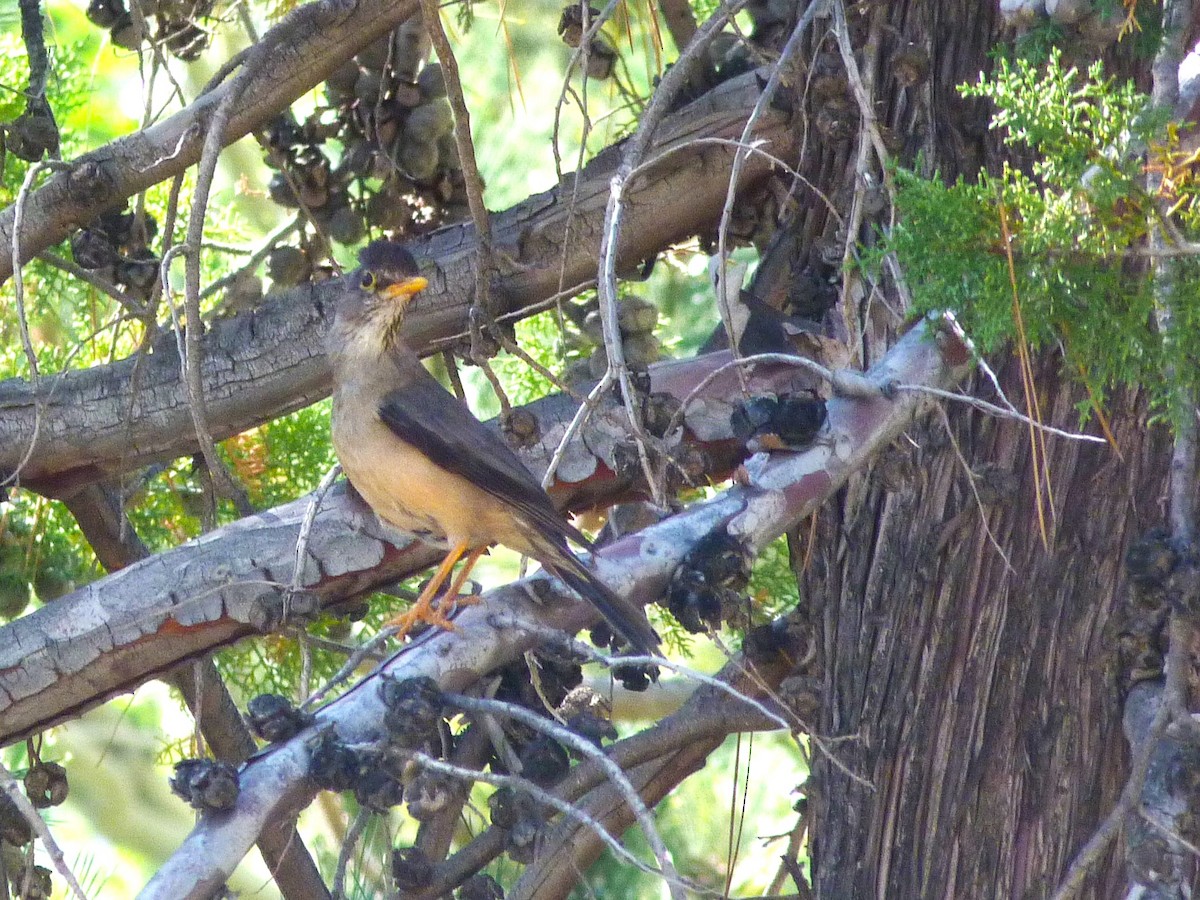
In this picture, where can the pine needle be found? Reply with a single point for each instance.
(1037, 441)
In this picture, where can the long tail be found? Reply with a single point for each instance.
(626, 618)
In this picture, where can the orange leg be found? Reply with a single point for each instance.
(461, 578)
(422, 609)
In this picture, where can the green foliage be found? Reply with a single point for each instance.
(1073, 224)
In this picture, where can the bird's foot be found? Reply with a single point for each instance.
(424, 614)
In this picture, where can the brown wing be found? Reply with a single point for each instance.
(428, 417)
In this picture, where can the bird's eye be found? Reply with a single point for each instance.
(367, 281)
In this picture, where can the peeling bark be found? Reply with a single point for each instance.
(111, 419)
(781, 489)
(114, 633)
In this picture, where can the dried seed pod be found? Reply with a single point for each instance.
(636, 315)
(125, 33)
(138, 270)
(331, 764)
(507, 807)
(635, 678)
(33, 134)
(206, 783)
(288, 266)
(544, 761)
(185, 40)
(105, 13)
(641, 350)
(411, 869)
(375, 55)
(570, 23)
(412, 46)
(429, 121)
(716, 569)
(377, 787)
(521, 427)
(601, 60)
(522, 839)
(417, 159)
(431, 82)
(448, 154)
(414, 709)
(778, 423)
(46, 785)
(93, 249)
(346, 226)
(280, 191)
(368, 86)
(341, 81)
(244, 294)
(429, 793)
(272, 718)
(658, 412)
(387, 212)
(34, 884)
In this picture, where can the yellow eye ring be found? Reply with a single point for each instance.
(367, 281)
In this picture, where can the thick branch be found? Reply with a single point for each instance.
(117, 546)
(264, 363)
(781, 490)
(300, 60)
(115, 633)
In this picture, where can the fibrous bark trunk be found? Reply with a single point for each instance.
(964, 656)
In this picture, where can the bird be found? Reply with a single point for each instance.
(425, 465)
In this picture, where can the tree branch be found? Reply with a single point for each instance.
(271, 361)
(777, 491)
(97, 181)
(117, 632)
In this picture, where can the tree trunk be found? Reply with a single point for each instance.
(983, 696)
(966, 658)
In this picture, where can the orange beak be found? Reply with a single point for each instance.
(402, 290)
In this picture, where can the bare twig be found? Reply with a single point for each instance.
(1093, 851)
(1000, 412)
(589, 750)
(542, 796)
(486, 261)
(302, 539)
(672, 82)
(22, 318)
(10, 787)
(815, 8)
(349, 844)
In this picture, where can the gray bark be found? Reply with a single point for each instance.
(104, 421)
(116, 632)
(778, 491)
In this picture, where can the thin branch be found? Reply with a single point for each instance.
(302, 539)
(635, 150)
(545, 797)
(815, 8)
(1093, 851)
(349, 844)
(485, 263)
(615, 773)
(1000, 412)
(22, 318)
(10, 787)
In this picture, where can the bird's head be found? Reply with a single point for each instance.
(377, 293)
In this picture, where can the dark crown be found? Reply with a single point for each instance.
(388, 258)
